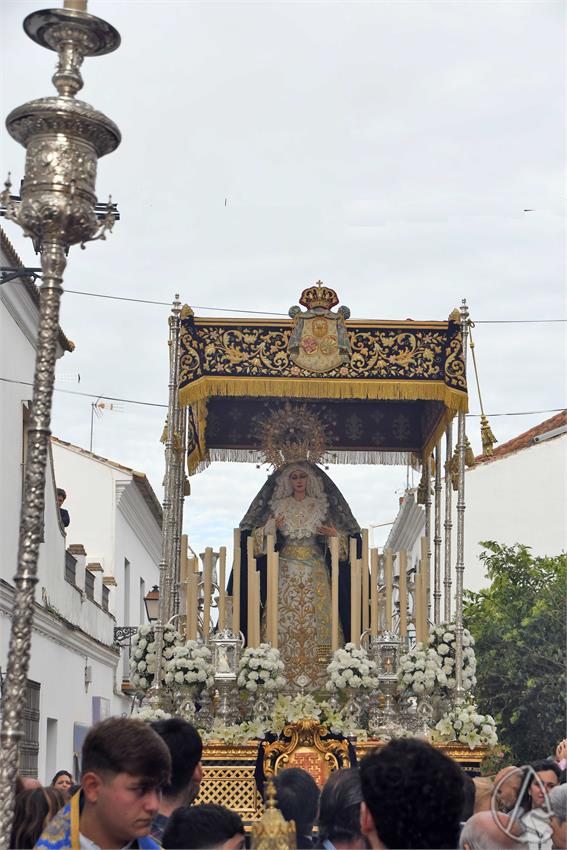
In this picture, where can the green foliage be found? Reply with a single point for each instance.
(519, 628)
(496, 758)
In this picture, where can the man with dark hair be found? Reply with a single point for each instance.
(412, 797)
(63, 512)
(205, 826)
(185, 748)
(124, 766)
(339, 812)
(298, 800)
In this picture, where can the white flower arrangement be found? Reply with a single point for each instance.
(236, 733)
(465, 725)
(287, 710)
(430, 667)
(149, 715)
(260, 667)
(291, 709)
(143, 654)
(442, 640)
(190, 665)
(351, 668)
(421, 671)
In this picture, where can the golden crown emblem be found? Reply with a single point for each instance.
(319, 296)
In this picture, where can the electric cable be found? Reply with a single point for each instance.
(157, 404)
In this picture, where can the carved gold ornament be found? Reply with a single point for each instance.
(291, 435)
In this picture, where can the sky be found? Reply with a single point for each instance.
(390, 149)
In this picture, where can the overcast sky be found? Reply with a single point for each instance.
(388, 148)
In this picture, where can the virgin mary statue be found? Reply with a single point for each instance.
(303, 509)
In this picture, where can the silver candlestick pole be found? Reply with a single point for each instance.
(63, 137)
(460, 562)
(172, 516)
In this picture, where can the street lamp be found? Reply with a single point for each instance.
(151, 601)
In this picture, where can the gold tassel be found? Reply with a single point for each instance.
(422, 487)
(453, 469)
(186, 487)
(469, 454)
(487, 437)
(163, 438)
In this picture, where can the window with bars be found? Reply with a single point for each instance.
(70, 568)
(89, 585)
(29, 744)
(105, 597)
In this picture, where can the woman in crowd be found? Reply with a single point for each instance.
(536, 820)
(63, 781)
(33, 811)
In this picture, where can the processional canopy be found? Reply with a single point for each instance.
(382, 391)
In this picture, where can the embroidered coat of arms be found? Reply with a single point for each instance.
(319, 339)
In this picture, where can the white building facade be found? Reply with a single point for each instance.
(116, 517)
(519, 495)
(75, 674)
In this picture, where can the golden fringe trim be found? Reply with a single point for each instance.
(200, 458)
(196, 463)
(320, 388)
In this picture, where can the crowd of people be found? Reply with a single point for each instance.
(140, 782)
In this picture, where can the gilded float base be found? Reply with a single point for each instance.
(228, 772)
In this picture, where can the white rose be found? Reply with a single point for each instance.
(443, 649)
(143, 682)
(419, 689)
(251, 686)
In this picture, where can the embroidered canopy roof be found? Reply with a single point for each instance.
(385, 390)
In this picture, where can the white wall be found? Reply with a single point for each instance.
(110, 517)
(520, 498)
(69, 631)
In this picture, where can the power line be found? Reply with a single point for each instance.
(12, 276)
(168, 303)
(272, 313)
(90, 395)
(156, 404)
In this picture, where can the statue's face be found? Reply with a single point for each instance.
(298, 480)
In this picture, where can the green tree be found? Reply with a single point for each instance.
(519, 627)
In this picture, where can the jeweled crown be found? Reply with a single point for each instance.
(319, 296)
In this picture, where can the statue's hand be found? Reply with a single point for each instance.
(327, 530)
(279, 522)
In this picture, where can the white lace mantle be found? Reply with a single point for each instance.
(300, 518)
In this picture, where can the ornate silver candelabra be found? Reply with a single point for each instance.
(63, 137)
(226, 647)
(385, 650)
